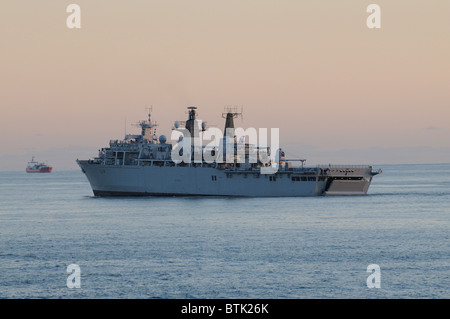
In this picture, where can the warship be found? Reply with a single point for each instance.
(147, 165)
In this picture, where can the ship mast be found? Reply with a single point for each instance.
(148, 128)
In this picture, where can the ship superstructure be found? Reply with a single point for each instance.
(147, 165)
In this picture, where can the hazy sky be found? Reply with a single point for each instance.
(338, 91)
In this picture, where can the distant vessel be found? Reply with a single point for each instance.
(36, 167)
(143, 165)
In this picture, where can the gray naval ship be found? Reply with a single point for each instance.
(144, 165)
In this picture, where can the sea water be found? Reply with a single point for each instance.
(213, 247)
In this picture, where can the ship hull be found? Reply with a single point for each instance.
(123, 180)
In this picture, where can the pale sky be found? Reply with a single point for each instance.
(311, 68)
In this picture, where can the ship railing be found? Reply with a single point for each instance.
(342, 166)
(122, 142)
(125, 148)
(95, 160)
(221, 166)
(285, 170)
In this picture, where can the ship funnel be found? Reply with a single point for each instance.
(229, 114)
(192, 124)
